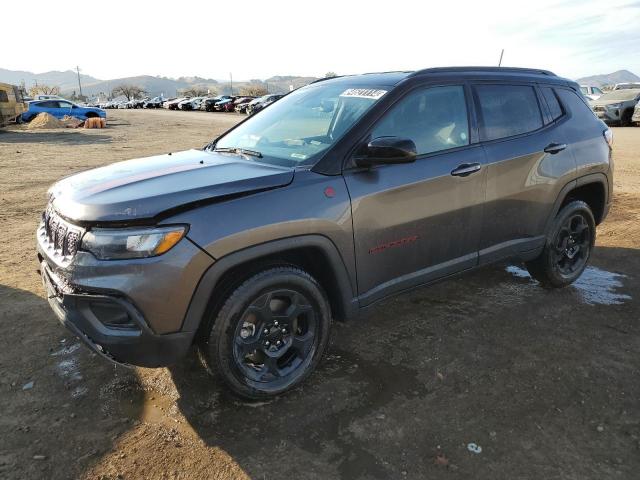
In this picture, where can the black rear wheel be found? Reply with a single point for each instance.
(568, 247)
(270, 333)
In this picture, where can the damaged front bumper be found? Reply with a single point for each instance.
(112, 326)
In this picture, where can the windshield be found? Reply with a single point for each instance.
(626, 94)
(296, 129)
(584, 90)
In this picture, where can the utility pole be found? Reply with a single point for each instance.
(231, 78)
(501, 54)
(79, 84)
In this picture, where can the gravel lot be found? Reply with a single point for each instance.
(547, 383)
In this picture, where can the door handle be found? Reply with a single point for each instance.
(554, 148)
(466, 169)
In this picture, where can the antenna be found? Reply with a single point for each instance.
(500, 61)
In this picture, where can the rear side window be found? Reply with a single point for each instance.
(434, 118)
(575, 104)
(4, 98)
(552, 102)
(508, 110)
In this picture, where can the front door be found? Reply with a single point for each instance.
(417, 222)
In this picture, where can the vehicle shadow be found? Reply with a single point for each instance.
(62, 406)
(66, 137)
(489, 358)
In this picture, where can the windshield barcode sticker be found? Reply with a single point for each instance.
(363, 93)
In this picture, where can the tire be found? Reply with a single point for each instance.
(625, 119)
(91, 115)
(19, 119)
(568, 247)
(251, 345)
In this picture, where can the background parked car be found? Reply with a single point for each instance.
(191, 103)
(231, 107)
(617, 106)
(221, 105)
(173, 104)
(626, 86)
(591, 92)
(60, 108)
(155, 102)
(209, 103)
(240, 103)
(636, 115)
(262, 102)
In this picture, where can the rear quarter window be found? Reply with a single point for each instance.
(507, 110)
(575, 104)
(4, 98)
(552, 102)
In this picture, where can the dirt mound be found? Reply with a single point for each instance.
(45, 120)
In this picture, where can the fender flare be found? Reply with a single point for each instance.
(207, 284)
(572, 185)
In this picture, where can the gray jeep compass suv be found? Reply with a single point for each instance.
(336, 196)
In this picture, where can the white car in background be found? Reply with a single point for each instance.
(191, 103)
(626, 85)
(592, 93)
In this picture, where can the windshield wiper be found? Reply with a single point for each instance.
(242, 151)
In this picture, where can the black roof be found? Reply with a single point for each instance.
(392, 78)
(517, 70)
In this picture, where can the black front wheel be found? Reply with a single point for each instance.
(568, 247)
(270, 333)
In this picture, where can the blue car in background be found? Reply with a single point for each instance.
(59, 108)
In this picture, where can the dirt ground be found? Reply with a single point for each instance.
(547, 383)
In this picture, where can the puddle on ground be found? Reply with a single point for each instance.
(66, 350)
(595, 286)
(68, 368)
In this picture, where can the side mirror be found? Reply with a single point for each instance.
(387, 151)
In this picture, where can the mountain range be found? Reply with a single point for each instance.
(156, 85)
(620, 76)
(153, 85)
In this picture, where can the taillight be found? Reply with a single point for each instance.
(608, 136)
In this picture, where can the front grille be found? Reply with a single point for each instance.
(59, 235)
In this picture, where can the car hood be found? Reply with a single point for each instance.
(144, 188)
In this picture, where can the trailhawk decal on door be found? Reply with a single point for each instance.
(395, 243)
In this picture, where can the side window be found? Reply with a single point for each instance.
(597, 91)
(47, 104)
(508, 110)
(552, 103)
(4, 98)
(64, 104)
(574, 102)
(434, 118)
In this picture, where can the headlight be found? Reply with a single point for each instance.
(614, 106)
(121, 243)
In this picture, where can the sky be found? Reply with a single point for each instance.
(258, 39)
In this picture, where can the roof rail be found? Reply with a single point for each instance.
(534, 71)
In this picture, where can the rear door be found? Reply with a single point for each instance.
(417, 222)
(529, 161)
